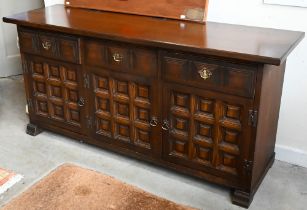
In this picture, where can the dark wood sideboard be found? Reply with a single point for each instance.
(201, 99)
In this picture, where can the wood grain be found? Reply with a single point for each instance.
(173, 9)
(263, 45)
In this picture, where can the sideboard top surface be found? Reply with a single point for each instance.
(263, 45)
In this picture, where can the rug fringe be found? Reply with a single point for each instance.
(13, 180)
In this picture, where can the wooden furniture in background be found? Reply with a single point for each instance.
(193, 10)
(201, 99)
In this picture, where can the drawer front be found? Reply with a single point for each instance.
(122, 58)
(210, 74)
(60, 47)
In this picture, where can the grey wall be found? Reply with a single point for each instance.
(9, 53)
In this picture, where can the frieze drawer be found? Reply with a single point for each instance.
(120, 57)
(51, 45)
(210, 74)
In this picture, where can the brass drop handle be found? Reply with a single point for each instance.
(117, 57)
(81, 102)
(46, 45)
(165, 125)
(154, 122)
(205, 73)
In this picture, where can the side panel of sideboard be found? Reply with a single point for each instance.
(269, 105)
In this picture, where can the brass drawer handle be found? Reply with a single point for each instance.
(165, 125)
(205, 73)
(117, 57)
(46, 45)
(154, 122)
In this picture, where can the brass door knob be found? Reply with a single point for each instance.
(205, 73)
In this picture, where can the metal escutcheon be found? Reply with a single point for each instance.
(46, 45)
(117, 57)
(205, 73)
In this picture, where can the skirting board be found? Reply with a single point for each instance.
(291, 155)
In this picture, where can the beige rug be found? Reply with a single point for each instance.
(70, 187)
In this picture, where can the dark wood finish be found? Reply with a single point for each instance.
(125, 110)
(193, 10)
(33, 130)
(207, 131)
(218, 39)
(50, 45)
(226, 77)
(199, 99)
(55, 92)
(121, 57)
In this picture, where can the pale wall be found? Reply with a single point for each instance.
(292, 130)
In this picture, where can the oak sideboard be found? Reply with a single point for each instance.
(201, 99)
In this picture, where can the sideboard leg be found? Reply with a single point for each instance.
(33, 130)
(242, 198)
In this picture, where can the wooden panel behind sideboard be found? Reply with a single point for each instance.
(173, 9)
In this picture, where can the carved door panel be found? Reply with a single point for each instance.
(125, 110)
(206, 130)
(55, 93)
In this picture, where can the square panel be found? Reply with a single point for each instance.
(233, 112)
(231, 136)
(143, 138)
(122, 87)
(143, 91)
(204, 130)
(54, 72)
(72, 95)
(142, 114)
(205, 105)
(229, 160)
(102, 104)
(74, 116)
(180, 124)
(122, 132)
(181, 100)
(203, 154)
(56, 91)
(58, 112)
(40, 87)
(103, 127)
(38, 68)
(101, 83)
(179, 148)
(71, 75)
(122, 109)
(42, 107)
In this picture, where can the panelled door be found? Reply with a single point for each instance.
(56, 95)
(205, 130)
(125, 110)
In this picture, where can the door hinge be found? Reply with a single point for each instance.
(89, 122)
(248, 165)
(253, 118)
(86, 81)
